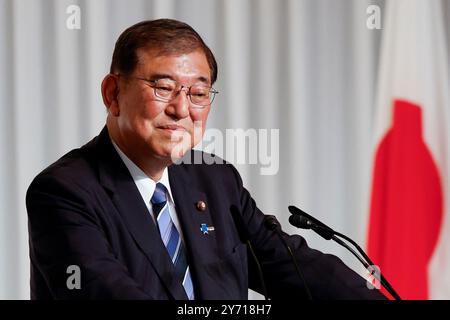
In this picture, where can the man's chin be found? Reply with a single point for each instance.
(178, 152)
(173, 153)
(174, 149)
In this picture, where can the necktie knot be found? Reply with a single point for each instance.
(159, 196)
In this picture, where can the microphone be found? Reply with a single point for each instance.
(301, 219)
(244, 236)
(303, 222)
(272, 224)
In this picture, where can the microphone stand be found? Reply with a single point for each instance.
(382, 279)
(272, 224)
(260, 272)
(245, 238)
(301, 219)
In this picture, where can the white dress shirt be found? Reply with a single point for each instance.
(146, 187)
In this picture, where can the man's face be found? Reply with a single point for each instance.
(149, 127)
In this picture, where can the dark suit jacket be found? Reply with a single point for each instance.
(85, 210)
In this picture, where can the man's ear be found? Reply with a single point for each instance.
(110, 91)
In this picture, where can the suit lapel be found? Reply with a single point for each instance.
(202, 248)
(115, 177)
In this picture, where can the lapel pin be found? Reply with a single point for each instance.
(205, 229)
(201, 205)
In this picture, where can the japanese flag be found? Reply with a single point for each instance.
(409, 224)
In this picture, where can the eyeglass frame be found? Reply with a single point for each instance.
(152, 84)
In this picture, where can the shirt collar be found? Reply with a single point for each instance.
(144, 183)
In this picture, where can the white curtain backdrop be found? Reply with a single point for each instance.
(307, 68)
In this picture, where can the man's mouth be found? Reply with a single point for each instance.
(171, 127)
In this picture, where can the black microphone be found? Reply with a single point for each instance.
(272, 224)
(303, 222)
(301, 219)
(245, 238)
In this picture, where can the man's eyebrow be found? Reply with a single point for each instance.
(158, 76)
(203, 79)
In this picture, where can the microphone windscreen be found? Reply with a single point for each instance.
(299, 221)
(307, 218)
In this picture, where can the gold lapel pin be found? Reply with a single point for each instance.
(201, 205)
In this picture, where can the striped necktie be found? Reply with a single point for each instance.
(171, 237)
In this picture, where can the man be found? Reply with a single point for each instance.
(136, 226)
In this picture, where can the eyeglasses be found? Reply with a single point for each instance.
(167, 90)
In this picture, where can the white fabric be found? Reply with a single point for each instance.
(146, 187)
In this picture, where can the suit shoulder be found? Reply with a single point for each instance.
(203, 161)
(74, 169)
(207, 168)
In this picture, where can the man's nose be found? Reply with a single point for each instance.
(179, 106)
